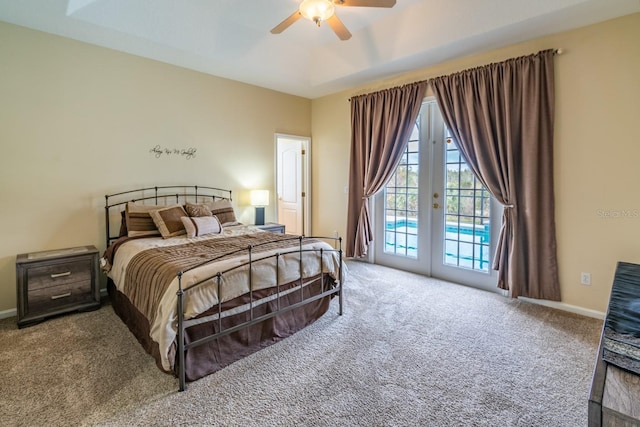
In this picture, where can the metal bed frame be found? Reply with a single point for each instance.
(182, 194)
(177, 194)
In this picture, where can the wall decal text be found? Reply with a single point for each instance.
(187, 153)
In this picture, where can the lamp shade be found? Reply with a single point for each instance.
(259, 197)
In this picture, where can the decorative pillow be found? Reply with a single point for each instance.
(168, 220)
(201, 225)
(198, 210)
(223, 210)
(138, 220)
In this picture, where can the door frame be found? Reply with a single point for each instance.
(306, 178)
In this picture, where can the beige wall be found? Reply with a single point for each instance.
(77, 122)
(597, 149)
(331, 139)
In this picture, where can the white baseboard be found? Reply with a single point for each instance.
(8, 313)
(566, 307)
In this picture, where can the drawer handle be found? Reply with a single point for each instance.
(66, 273)
(68, 294)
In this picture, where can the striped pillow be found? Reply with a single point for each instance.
(201, 225)
(138, 220)
(223, 210)
(168, 220)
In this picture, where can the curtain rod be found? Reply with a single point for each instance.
(558, 51)
(390, 88)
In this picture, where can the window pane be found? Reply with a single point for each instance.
(468, 211)
(401, 202)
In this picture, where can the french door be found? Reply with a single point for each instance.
(434, 217)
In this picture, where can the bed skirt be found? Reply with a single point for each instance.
(215, 355)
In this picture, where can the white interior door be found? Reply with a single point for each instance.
(292, 173)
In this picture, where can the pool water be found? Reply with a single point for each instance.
(465, 245)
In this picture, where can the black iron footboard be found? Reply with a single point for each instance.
(300, 286)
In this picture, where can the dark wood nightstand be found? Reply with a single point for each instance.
(55, 282)
(272, 227)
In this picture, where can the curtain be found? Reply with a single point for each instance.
(381, 124)
(502, 117)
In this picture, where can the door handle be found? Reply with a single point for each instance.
(436, 195)
(436, 206)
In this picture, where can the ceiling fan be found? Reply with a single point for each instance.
(319, 11)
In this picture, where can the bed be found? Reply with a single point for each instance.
(200, 290)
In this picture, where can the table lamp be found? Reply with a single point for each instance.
(259, 199)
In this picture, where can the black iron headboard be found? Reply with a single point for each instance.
(164, 195)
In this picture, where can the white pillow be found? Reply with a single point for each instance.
(201, 225)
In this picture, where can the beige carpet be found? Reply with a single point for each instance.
(409, 351)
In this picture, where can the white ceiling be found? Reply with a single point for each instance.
(231, 38)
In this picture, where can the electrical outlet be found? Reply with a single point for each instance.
(585, 278)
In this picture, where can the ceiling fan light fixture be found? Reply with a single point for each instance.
(317, 10)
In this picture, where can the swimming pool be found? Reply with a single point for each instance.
(466, 245)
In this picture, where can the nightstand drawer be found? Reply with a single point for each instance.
(59, 274)
(58, 296)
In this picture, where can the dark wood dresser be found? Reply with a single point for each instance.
(614, 400)
(53, 282)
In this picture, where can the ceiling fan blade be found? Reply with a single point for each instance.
(366, 3)
(286, 23)
(338, 27)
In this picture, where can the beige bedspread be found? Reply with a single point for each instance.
(146, 271)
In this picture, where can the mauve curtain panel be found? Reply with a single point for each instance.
(502, 117)
(381, 124)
